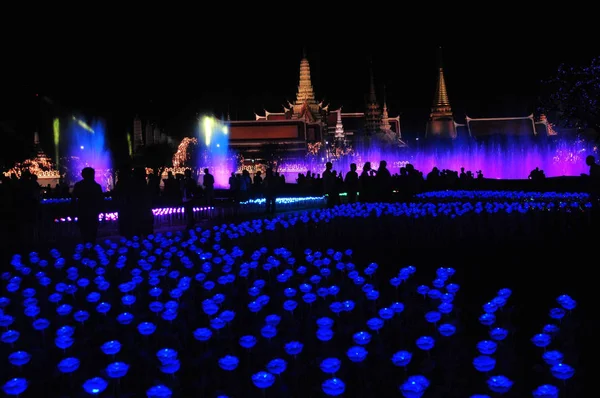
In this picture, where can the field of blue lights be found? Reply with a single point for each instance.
(143, 316)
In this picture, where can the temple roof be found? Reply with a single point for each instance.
(505, 126)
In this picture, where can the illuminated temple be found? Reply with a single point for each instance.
(443, 125)
(307, 122)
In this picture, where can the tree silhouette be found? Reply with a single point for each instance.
(573, 97)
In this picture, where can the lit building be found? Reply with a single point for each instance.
(157, 133)
(306, 122)
(442, 123)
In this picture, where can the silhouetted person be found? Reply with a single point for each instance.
(383, 181)
(352, 183)
(329, 184)
(365, 183)
(88, 200)
(209, 187)
(270, 186)
(258, 180)
(189, 188)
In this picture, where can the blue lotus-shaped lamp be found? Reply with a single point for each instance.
(541, 340)
(330, 365)
(111, 347)
(425, 343)
(68, 365)
(277, 366)
(19, 358)
(263, 379)
(545, 391)
(293, 348)
(229, 362)
(562, 371)
(484, 363)
(159, 391)
(401, 358)
(499, 384)
(553, 357)
(247, 341)
(357, 353)
(333, 387)
(15, 386)
(95, 386)
(414, 387)
(116, 370)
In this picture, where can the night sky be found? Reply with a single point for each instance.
(169, 77)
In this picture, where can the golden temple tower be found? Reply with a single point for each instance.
(373, 113)
(306, 106)
(441, 119)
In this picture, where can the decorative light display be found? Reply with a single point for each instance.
(183, 156)
(505, 195)
(114, 216)
(285, 201)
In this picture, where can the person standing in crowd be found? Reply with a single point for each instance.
(352, 183)
(189, 187)
(329, 184)
(209, 187)
(88, 201)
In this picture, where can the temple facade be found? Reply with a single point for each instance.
(442, 123)
(308, 122)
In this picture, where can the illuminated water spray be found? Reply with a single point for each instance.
(56, 133)
(87, 145)
(214, 136)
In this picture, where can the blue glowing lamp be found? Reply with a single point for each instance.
(401, 358)
(277, 366)
(125, 318)
(553, 357)
(541, 340)
(263, 379)
(247, 341)
(19, 358)
(330, 365)
(362, 338)
(484, 363)
(433, 316)
(81, 316)
(41, 324)
(357, 353)
(546, 391)
(68, 365)
(111, 347)
(325, 323)
(116, 370)
(425, 343)
(375, 324)
(324, 334)
(159, 391)
(229, 363)
(487, 347)
(499, 384)
(414, 387)
(447, 329)
(146, 328)
(15, 386)
(95, 385)
(333, 387)
(293, 348)
(562, 371)
(64, 342)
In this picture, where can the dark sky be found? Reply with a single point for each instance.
(493, 65)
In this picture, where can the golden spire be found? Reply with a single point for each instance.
(441, 103)
(305, 88)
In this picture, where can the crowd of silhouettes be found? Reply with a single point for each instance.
(136, 193)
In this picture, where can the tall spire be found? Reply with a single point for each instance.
(441, 104)
(339, 127)
(305, 88)
(385, 117)
(373, 113)
(441, 120)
